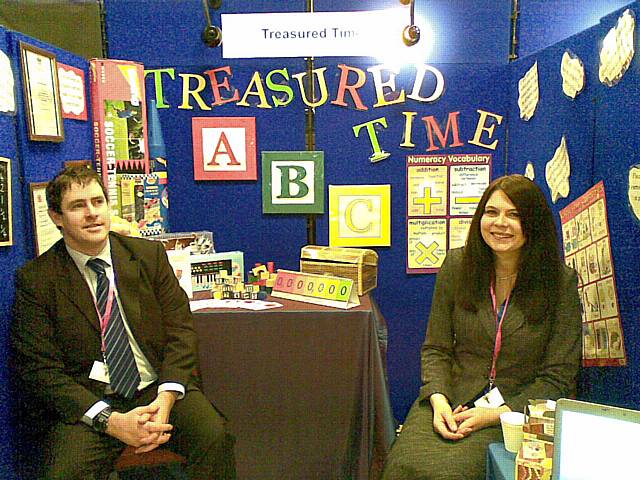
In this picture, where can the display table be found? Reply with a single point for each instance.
(304, 388)
(501, 464)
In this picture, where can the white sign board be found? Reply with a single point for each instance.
(312, 34)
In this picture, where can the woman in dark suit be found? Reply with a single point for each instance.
(504, 327)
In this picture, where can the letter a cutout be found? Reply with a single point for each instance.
(228, 151)
(224, 148)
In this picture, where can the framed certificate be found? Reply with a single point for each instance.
(6, 222)
(41, 94)
(45, 232)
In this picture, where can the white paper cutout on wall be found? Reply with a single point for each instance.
(557, 172)
(7, 95)
(617, 49)
(529, 171)
(71, 91)
(634, 190)
(573, 78)
(529, 93)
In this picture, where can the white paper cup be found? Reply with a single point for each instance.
(512, 423)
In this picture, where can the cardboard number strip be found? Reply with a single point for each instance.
(312, 288)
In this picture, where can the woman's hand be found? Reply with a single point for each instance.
(477, 418)
(444, 422)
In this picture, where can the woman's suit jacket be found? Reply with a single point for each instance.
(536, 361)
(56, 331)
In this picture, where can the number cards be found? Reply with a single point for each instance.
(319, 289)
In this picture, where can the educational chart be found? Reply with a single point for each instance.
(443, 192)
(587, 248)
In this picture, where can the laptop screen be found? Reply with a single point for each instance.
(594, 442)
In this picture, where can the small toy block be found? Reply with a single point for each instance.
(257, 270)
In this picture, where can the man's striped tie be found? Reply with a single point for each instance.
(124, 377)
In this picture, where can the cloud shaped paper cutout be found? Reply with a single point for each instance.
(634, 190)
(617, 50)
(529, 93)
(71, 91)
(529, 171)
(7, 96)
(557, 172)
(573, 78)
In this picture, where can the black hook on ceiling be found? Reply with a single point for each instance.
(411, 33)
(211, 35)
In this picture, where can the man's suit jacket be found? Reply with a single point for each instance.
(56, 331)
(536, 360)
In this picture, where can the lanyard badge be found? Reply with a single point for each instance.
(497, 346)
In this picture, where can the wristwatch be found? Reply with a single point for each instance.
(101, 420)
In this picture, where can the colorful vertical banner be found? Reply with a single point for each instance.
(443, 192)
(587, 248)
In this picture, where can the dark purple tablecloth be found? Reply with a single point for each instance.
(304, 387)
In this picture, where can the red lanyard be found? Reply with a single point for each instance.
(104, 319)
(498, 343)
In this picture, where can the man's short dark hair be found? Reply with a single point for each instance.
(79, 175)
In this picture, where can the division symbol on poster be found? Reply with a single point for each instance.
(529, 171)
(528, 93)
(617, 50)
(427, 254)
(573, 77)
(634, 190)
(7, 95)
(557, 172)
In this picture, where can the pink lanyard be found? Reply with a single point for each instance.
(104, 320)
(498, 343)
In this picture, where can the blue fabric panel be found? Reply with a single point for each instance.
(556, 115)
(602, 140)
(545, 22)
(31, 162)
(10, 260)
(617, 142)
(40, 161)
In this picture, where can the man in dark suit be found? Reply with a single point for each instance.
(97, 301)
